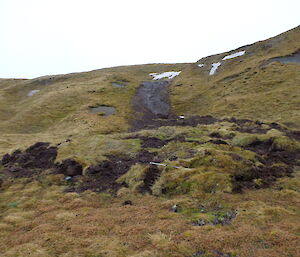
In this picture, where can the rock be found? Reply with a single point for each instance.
(175, 208)
(200, 223)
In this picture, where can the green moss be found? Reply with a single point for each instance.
(247, 139)
(285, 143)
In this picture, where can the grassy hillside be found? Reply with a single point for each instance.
(222, 181)
(243, 86)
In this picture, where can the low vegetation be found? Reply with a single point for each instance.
(225, 185)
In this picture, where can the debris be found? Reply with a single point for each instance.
(181, 117)
(200, 65)
(68, 178)
(163, 164)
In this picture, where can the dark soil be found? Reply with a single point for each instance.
(152, 142)
(69, 167)
(192, 121)
(37, 157)
(151, 176)
(248, 126)
(102, 177)
(218, 142)
(295, 134)
(276, 163)
(41, 157)
(35, 160)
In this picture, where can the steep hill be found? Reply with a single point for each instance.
(193, 159)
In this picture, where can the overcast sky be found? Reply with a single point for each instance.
(43, 37)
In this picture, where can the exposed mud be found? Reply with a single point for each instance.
(152, 142)
(295, 134)
(35, 160)
(276, 163)
(40, 157)
(30, 162)
(102, 177)
(192, 121)
(151, 176)
(69, 167)
(249, 126)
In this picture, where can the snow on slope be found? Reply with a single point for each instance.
(168, 74)
(234, 55)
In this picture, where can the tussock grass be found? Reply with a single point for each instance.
(38, 218)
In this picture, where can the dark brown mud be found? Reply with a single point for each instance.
(37, 157)
(102, 177)
(192, 121)
(69, 167)
(275, 163)
(35, 160)
(151, 176)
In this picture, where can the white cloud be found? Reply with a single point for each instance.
(61, 36)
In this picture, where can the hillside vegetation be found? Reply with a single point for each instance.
(190, 165)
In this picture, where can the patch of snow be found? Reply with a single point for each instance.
(168, 74)
(33, 92)
(214, 68)
(200, 65)
(234, 55)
